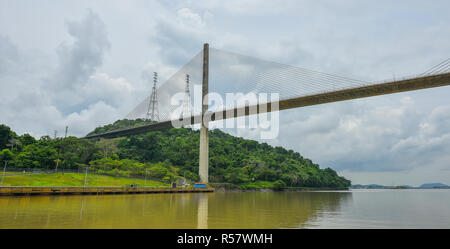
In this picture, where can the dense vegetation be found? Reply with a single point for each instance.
(170, 154)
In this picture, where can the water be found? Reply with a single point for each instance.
(344, 209)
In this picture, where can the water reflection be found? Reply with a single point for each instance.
(81, 209)
(202, 214)
(207, 210)
(272, 209)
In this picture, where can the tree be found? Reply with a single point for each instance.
(6, 155)
(279, 185)
(37, 156)
(27, 139)
(160, 172)
(5, 136)
(236, 176)
(108, 146)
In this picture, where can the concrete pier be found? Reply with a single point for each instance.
(96, 190)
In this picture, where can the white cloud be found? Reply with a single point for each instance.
(95, 115)
(72, 93)
(188, 19)
(249, 7)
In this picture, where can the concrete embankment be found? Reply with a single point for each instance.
(95, 190)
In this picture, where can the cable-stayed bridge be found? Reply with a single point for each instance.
(219, 72)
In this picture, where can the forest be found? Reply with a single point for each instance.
(168, 155)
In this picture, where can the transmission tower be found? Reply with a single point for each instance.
(152, 112)
(186, 112)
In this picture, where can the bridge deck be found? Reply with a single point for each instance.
(316, 99)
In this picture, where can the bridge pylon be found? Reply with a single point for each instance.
(152, 111)
(204, 131)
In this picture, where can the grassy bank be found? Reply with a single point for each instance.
(257, 185)
(75, 179)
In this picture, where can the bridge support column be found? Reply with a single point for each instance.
(204, 131)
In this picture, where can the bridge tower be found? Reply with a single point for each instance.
(204, 131)
(152, 111)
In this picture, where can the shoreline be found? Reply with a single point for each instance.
(14, 191)
(281, 190)
(229, 187)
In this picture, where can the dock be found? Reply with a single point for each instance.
(8, 191)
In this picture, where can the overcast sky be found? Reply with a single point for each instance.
(83, 64)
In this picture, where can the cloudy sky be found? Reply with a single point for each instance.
(84, 64)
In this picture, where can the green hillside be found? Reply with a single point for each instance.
(173, 153)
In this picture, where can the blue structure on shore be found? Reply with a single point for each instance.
(200, 185)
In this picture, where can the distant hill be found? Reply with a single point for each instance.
(423, 186)
(369, 186)
(433, 185)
